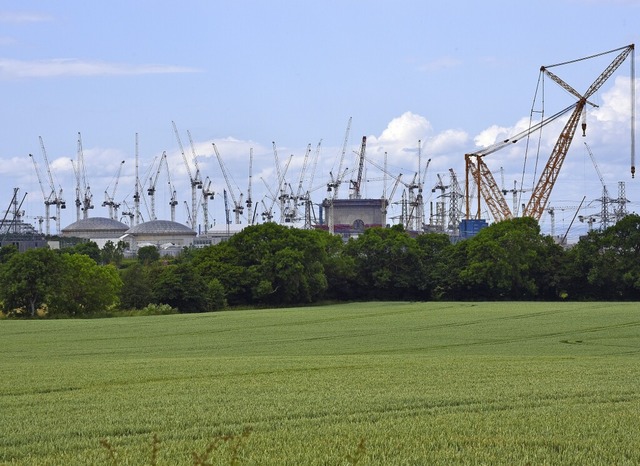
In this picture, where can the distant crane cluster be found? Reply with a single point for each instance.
(449, 202)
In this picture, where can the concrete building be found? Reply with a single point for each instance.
(96, 229)
(350, 217)
(164, 234)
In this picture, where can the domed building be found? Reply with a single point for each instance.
(164, 234)
(96, 229)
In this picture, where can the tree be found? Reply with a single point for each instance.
(507, 260)
(113, 253)
(181, 287)
(387, 263)
(88, 248)
(606, 264)
(136, 291)
(148, 254)
(85, 287)
(28, 280)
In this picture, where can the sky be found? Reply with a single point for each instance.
(456, 76)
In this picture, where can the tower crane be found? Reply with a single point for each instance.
(440, 204)
(196, 182)
(151, 190)
(604, 211)
(44, 195)
(238, 208)
(207, 194)
(82, 188)
(109, 200)
(54, 197)
(137, 189)
(291, 214)
(249, 201)
(173, 202)
(338, 181)
(356, 184)
(226, 210)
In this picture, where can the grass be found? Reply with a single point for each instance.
(375, 383)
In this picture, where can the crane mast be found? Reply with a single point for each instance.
(44, 195)
(249, 201)
(356, 184)
(196, 183)
(238, 208)
(151, 190)
(110, 200)
(83, 187)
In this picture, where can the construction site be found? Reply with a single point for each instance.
(456, 204)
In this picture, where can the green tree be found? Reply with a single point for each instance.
(85, 287)
(387, 262)
(28, 280)
(6, 252)
(113, 253)
(136, 291)
(148, 254)
(181, 287)
(507, 260)
(606, 264)
(88, 248)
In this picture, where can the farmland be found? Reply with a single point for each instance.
(372, 383)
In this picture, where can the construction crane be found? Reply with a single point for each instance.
(542, 191)
(54, 197)
(44, 194)
(83, 189)
(207, 194)
(455, 196)
(137, 189)
(109, 200)
(151, 190)
(335, 184)
(249, 201)
(605, 200)
(238, 208)
(173, 201)
(488, 189)
(226, 211)
(196, 182)
(356, 184)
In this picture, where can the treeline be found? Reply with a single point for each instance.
(273, 265)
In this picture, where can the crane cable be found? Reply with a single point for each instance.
(539, 85)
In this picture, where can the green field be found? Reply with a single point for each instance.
(376, 383)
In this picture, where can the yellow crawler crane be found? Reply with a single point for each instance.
(480, 173)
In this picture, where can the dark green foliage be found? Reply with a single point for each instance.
(29, 279)
(181, 287)
(606, 265)
(136, 291)
(274, 265)
(88, 248)
(113, 253)
(84, 287)
(148, 254)
(388, 264)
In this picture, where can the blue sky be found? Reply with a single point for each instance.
(456, 75)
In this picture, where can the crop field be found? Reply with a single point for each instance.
(374, 383)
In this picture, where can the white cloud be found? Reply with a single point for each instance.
(10, 68)
(23, 17)
(441, 63)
